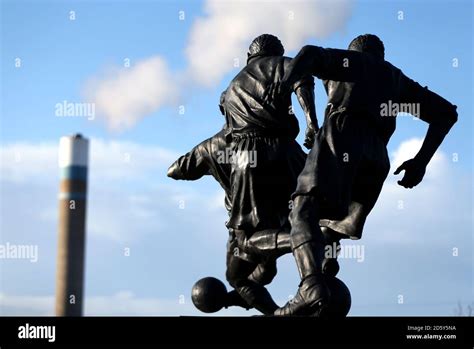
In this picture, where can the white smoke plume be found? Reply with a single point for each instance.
(216, 45)
(124, 95)
(225, 32)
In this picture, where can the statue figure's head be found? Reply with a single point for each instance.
(265, 45)
(368, 43)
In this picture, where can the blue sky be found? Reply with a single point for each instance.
(132, 203)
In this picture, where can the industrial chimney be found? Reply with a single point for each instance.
(73, 160)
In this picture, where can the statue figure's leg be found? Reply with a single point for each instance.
(254, 294)
(270, 243)
(264, 273)
(307, 242)
(330, 264)
(273, 244)
(265, 246)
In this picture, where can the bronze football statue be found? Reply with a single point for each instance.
(279, 199)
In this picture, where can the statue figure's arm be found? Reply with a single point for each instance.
(326, 64)
(304, 91)
(440, 114)
(190, 166)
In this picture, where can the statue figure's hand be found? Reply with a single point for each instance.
(310, 135)
(275, 89)
(414, 172)
(174, 171)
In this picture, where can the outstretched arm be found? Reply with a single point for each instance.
(305, 63)
(441, 116)
(324, 63)
(415, 168)
(190, 166)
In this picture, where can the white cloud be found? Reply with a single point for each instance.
(217, 200)
(124, 95)
(33, 169)
(228, 27)
(26, 305)
(409, 148)
(122, 303)
(172, 248)
(401, 214)
(109, 160)
(24, 161)
(128, 160)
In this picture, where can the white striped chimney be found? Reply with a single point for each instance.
(73, 166)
